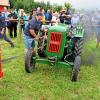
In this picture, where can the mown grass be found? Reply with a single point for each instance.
(50, 83)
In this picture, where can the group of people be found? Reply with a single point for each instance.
(30, 24)
(13, 20)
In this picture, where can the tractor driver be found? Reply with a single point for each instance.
(31, 31)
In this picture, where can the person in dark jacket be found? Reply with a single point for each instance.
(65, 17)
(13, 25)
(62, 16)
(3, 30)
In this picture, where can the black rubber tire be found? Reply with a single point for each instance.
(29, 62)
(76, 68)
(78, 47)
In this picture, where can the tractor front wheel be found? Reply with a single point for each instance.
(29, 61)
(76, 68)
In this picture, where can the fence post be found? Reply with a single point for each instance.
(1, 73)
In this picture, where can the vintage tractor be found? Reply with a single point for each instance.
(61, 45)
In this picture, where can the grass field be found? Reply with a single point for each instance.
(50, 83)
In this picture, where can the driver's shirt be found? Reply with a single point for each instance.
(34, 25)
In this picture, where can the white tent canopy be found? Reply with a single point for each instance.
(4, 3)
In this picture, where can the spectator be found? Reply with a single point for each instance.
(38, 9)
(68, 18)
(13, 26)
(15, 11)
(48, 15)
(5, 13)
(43, 17)
(32, 14)
(65, 17)
(22, 19)
(55, 18)
(75, 20)
(98, 29)
(8, 21)
(3, 30)
(26, 20)
(62, 16)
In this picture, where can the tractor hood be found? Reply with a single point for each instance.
(56, 41)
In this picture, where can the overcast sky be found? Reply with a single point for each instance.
(88, 4)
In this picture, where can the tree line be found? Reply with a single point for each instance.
(28, 5)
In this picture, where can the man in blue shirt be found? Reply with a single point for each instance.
(3, 30)
(31, 31)
(48, 15)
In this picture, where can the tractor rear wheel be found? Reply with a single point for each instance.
(29, 61)
(76, 68)
(78, 47)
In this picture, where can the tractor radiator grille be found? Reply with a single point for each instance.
(55, 42)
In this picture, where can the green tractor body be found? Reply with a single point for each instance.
(60, 49)
(56, 41)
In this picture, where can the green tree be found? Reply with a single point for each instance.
(68, 6)
(28, 5)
